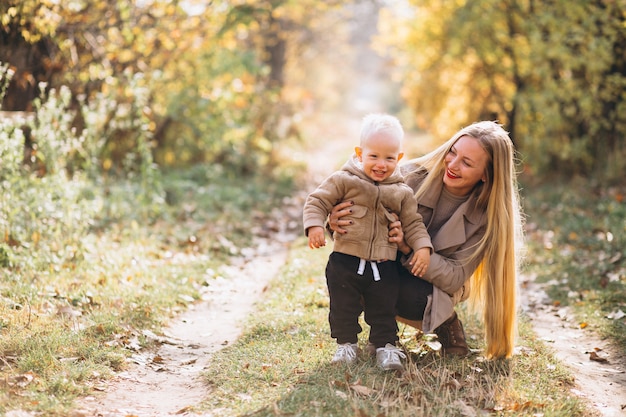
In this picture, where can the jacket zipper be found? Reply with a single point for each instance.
(374, 222)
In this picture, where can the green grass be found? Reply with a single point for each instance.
(281, 366)
(70, 321)
(577, 246)
(72, 316)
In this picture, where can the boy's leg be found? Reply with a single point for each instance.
(380, 305)
(344, 289)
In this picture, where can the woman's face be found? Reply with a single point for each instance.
(466, 164)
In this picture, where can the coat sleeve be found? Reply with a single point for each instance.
(449, 272)
(320, 202)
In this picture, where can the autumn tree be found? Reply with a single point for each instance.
(215, 73)
(552, 72)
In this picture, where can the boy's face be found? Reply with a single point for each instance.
(380, 155)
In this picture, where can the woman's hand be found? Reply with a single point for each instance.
(334, 219)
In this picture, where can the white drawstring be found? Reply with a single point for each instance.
(361, 267)
(374, 269)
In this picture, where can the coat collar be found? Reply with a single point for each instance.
(452, 232)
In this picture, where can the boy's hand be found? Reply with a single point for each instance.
(316, 237)
(420, 262)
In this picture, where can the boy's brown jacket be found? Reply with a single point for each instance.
(368, 237)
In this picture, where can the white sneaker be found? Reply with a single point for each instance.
(346, 353)
(388, 358)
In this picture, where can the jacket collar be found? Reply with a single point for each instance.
(452, 232)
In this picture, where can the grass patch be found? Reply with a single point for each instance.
(281, 366)
(69, 322)
(577, 246)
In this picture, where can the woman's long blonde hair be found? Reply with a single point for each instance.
(494, 283)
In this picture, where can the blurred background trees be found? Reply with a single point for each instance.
(554, 72)
(227, 82)
(214, 74)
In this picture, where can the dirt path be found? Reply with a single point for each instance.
(167, 382)
(602, 381)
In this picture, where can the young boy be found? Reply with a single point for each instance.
(361, 273)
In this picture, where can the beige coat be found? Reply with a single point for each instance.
(453, 243)
(368, 237)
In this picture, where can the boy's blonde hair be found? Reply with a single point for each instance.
(378, 122)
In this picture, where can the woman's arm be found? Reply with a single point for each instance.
(448, 273)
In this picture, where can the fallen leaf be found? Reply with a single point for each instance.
(184, 410)
(523, 350)
(362, 390)
(616, 315)
(22, 380)
(433, 345)
(341, 394)
(596, 357)
(68, 312)
(453, 383)
(186, 298)
(464, 409)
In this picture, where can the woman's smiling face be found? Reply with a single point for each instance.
(466, 164)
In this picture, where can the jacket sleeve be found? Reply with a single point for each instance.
(415, 231)
(320, 202)
(450, 272)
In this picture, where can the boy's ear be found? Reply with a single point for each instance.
(359, 153)
(400, 155)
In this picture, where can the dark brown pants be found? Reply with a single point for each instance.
(351, 293)
(413, 295)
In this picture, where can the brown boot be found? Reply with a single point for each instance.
(452, 337)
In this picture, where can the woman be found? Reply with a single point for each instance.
(467, 194)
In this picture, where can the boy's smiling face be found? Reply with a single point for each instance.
(379, 154)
